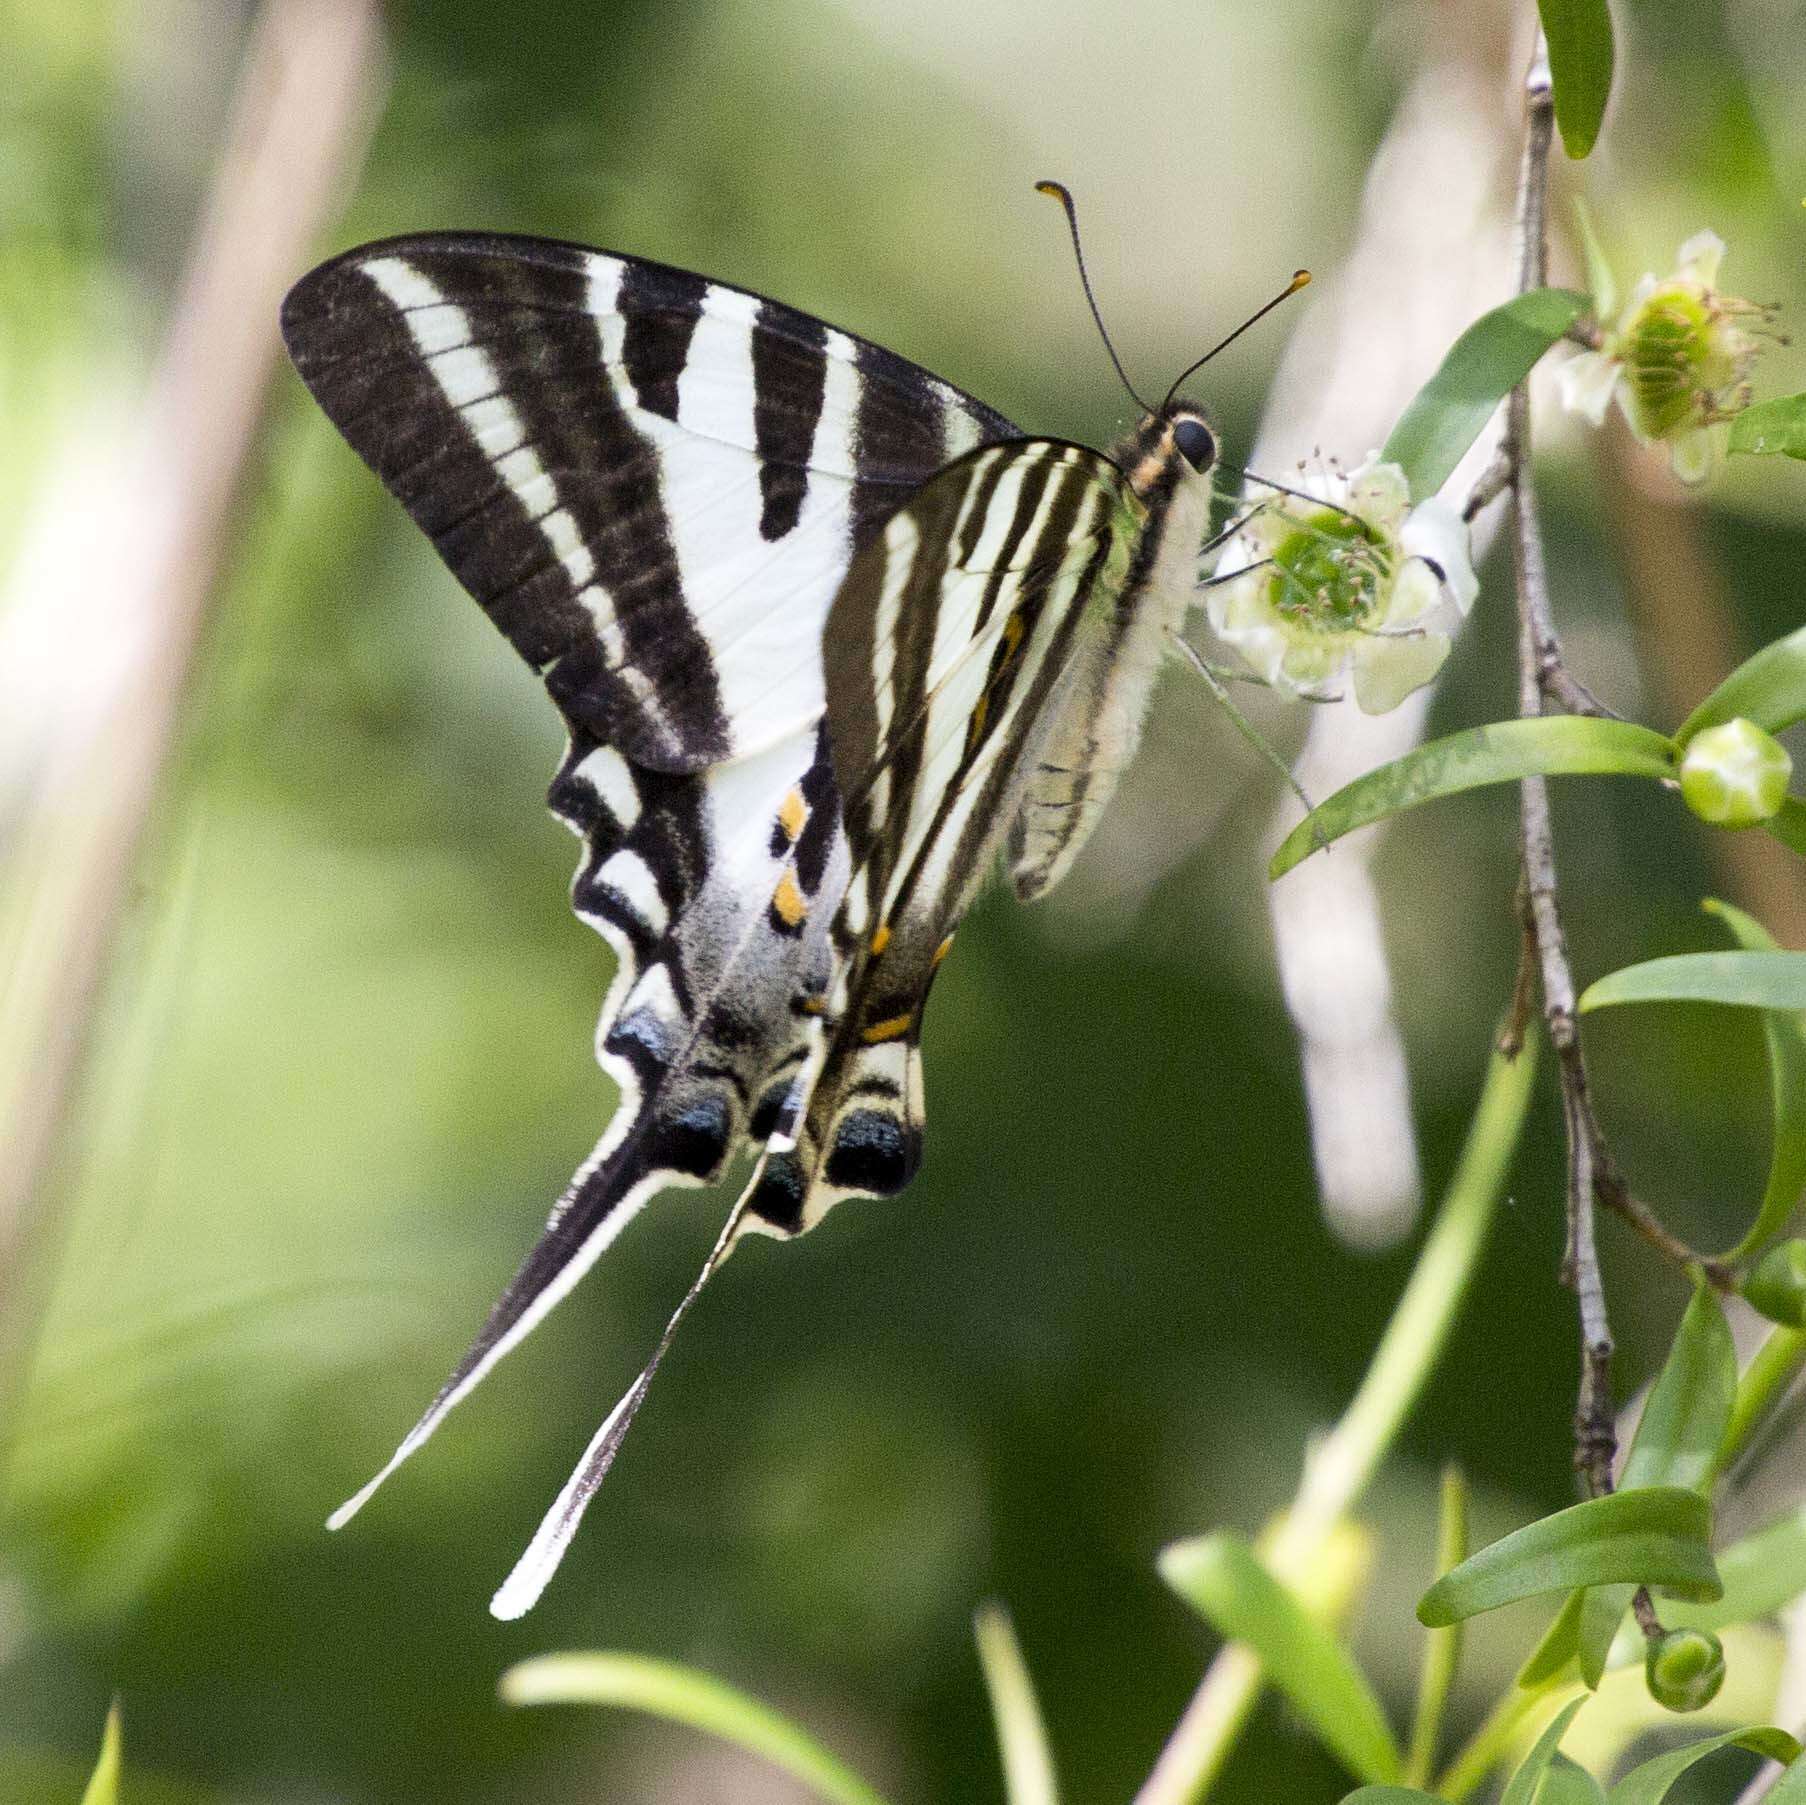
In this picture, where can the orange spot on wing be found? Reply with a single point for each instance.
(881, 939)
(787, 902)
(793, 811)
(893, 1028)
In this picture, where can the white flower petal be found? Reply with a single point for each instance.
(1585, 384)
(1700, 257)
(1436, 534)
(1388, 668)
(1379, 494)
(1311, 660)
(1695, 455)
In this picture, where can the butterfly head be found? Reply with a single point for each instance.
(1173, 447)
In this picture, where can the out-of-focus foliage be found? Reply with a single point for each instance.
(344, 1065)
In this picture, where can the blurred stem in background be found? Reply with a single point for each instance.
(129, 540)
(1340, 1467)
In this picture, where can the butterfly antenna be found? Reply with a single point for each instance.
(1060, 193)
(1300, 279)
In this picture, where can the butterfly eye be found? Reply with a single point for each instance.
(1197, 443)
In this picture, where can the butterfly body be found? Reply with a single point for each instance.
(828, 635)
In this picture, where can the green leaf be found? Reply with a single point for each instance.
(1772, 1369)
(1789, 825)
(1772, 426)
(1523, 1786)
(1654, 1536)
(1601, 1610)
(1568, 1783)
(103, 1783)
(1762, 1572)
(1503, 752)
(1768, 688)
(1650, 1783)
(1482, 367)
(1689, 1405)
(1387, 1795)
(1748, 980)
(1028, 1769)
(1559, 1646)
(1676, 1443)
(1222, 1579)
(1600, 280)
(1786, 1035)
(1580, 60)
(665, 1689)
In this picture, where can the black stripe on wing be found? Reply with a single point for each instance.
(473, 374)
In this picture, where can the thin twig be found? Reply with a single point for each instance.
(1542, 678)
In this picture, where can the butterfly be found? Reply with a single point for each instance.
(828, 636)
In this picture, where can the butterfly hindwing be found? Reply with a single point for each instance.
(949, 651)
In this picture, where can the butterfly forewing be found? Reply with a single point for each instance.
(653, 483)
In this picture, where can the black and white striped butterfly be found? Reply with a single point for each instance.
(827, 635)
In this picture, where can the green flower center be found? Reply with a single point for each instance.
(1678, 356)
(1329, 573)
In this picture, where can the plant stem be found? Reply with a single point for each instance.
(1339, 1468)
(1442, 1651)
(1493, 1740)
(1542, 678)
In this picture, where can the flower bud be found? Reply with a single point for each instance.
(1684, 1669)
(1735, 775)
(1777, 1287)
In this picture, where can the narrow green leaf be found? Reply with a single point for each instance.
(1768, 688)
(665, 1689)
(103, 1783)
(1580, 60)
(1773, 1368)
(1790, 1789)
(1789, 825)
(1761, 1572)
(1655, 1536)
(1772, 426)
(1388, 1795)
(1689, 1405)
(1650, 1783)
(1028, 1769)
(1676, 1443)
(1786, 1035)
(1559, 1646)
(1568, 1783)
(1523, 1786)
(1600, 280)
(1220, 1576)
(1748, 980)
(1481, 368)
(1503, 752)
(1602, 1609)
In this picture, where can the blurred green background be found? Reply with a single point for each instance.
(342, 1064)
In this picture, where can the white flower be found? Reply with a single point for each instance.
(1677, 358)
(1345, 575)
